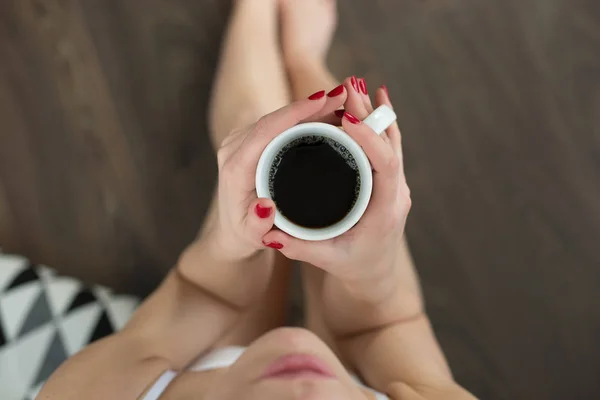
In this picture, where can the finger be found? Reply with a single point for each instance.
(335, 99)
(322, 253)
(271, 125)
(259, 220)
(334, 118)
(385, 163)
(382, 157)
(354, 103)
(383, 212)
(364, 94)
(393, 132)
(385, 138)
(384, 135)
(360, 105)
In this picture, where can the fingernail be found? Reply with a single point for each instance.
(351, 118)
(336, 92)
(362, 83)
(385, 89)
(274, 245)
(263, 212)
(354, 82)
(339, 113)
(317, 95)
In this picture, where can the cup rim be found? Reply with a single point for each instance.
(364, 169)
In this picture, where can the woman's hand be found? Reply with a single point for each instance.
(231, 243)
(367, 252)
(243, 219)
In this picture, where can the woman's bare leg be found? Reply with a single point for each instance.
(307, 27)
(251, 81)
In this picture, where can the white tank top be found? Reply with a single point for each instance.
(216, 359)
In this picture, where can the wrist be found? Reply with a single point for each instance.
(353, 306)
(374, 282)
(237, 280)
(370, 293)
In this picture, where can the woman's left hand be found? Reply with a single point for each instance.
(366, 254)
(243, 219)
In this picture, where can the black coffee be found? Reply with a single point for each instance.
(314, 181)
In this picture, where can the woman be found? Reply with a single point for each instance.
(212, 330)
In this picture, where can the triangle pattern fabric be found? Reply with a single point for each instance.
(45, 273)
(60, 292)
(15, 305)
(52, 359)
(20, 360)
(85, 296)
(2, 336)
(103, 328)
(46, 318)
(25, 276)
(103, 294)
(76, 328)
(39, 314)
(10, 267)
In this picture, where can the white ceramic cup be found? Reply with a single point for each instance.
(378, 121)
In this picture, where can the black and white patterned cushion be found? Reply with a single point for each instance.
(46, 318)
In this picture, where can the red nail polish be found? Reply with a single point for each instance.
(274, 245)
(354, 82)
(339, 113)
(362, 83)
(317, 95)
(263, 212)
(385, 89)
(351, 118)
(336, 92)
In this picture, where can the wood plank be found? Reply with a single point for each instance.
(106, 169)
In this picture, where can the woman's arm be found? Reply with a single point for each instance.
(194, 306)
(216, 279)
(370, 298)
(379, 326)
(382, 333)
(404, 359)
(398, 353)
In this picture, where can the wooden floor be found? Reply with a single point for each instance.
(106, 171)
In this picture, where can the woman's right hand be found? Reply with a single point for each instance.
(243, 219)
(368, 251)
(231, 245)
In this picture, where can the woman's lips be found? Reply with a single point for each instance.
(294, 366)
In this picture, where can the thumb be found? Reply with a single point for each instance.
(321, 254)
(259, 220)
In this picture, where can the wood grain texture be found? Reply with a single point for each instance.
(106, 170)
